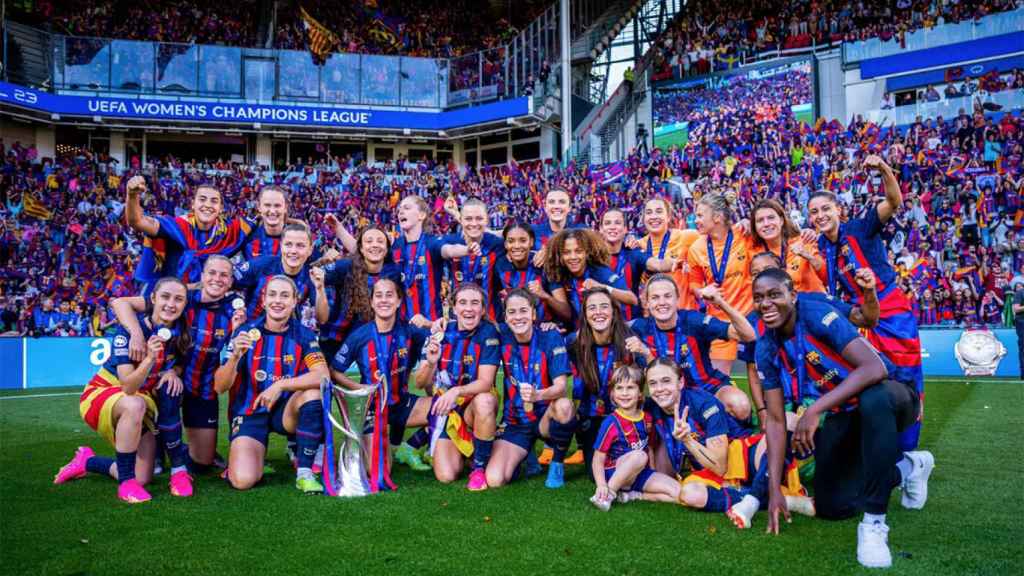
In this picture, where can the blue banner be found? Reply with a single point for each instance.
(11, 376)
(942, 55)
(229, 112)
(52, 362)
(965, 71)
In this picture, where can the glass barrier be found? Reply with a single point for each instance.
(131, 66)
(265, 75)
(992, 25)
(463, 78)
(419, 79)
(297, 75)
(220, 70)
(340, 79)
(949, 108)
(177, 68)
(86, 63)
(380, 80)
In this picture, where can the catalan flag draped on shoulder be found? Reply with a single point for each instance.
(321, 40)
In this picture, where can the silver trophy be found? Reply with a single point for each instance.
(349, 479)
(979, 351)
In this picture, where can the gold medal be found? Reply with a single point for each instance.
(254, 334)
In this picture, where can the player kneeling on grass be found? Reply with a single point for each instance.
(459, 371)
(693, 444)
(536, 369)
(622, 453)
(273, 367)
(119, 400)
(385, 350)
(853, 427)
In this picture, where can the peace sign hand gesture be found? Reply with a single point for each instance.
(681, 425)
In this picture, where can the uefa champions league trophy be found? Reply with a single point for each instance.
(349, 479)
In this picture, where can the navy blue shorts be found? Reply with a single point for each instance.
(638, 482)
(398, 415)
(523, 435)
(199, 412)
(259, 426)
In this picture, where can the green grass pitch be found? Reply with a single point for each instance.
(971, 525)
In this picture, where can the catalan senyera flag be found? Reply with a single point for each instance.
(35, 208)
(321, 40)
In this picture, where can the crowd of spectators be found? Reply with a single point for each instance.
(708, 36)
(991, 83)
(959, 241)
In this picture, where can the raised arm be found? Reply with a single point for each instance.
(134, 215)
(125, 309)
(739, 327)
(893, 202)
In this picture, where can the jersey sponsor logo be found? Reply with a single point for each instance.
(829, 318)
(710, 412)
(120, 341)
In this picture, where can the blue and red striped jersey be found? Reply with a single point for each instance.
(707, 419)
(385, 358)
(747, 351)
(252, 277)
(689, 344)
(537, 363)
(479, 269)
(463, 352)
(510, 277)
(275, 356)
(630, 265)
(166, 360)
(341, 322)
(210, 327)
(180, 247)
(599, 402)
(859, 245)
(261, 243)
(574, 288)
(422, 269)
(812, 357)
(620, 434)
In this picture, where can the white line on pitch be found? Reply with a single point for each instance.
(40, 395)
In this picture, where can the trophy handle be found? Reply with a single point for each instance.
(340, 394)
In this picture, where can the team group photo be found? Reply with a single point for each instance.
(521, 287)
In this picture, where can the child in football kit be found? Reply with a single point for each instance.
(622, 450)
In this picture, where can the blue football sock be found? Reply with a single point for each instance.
(125, 466)
(309, 433)
(168, 421)
(419, 439)
(759, 484)
(481, 452)
(720, 499)
(561, 436)
(99, 465)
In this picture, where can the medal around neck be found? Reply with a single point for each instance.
(164, 334)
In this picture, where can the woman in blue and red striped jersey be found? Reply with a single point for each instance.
(578, 260)
(349, 283)
(535, 403)
(685, 336)
(265, 237)
(595, 349)
(177, 245)
(418, 256)
(473, 255)
(515, 270)
(211, 315)
(273, 368)
(119, 403)
(459, 371)
(385, 350)
(858, 243)
(630, 264)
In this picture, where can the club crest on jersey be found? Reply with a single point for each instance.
(288, 358)
(468, 359)
(403, 352)
(684, 350)
(845, 250)
(218, 333)
(813, 357)
(260, 375)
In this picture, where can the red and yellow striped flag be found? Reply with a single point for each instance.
(35, 208)
(321, 40)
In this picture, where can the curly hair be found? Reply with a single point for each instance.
(594, 246)
(356, 291)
